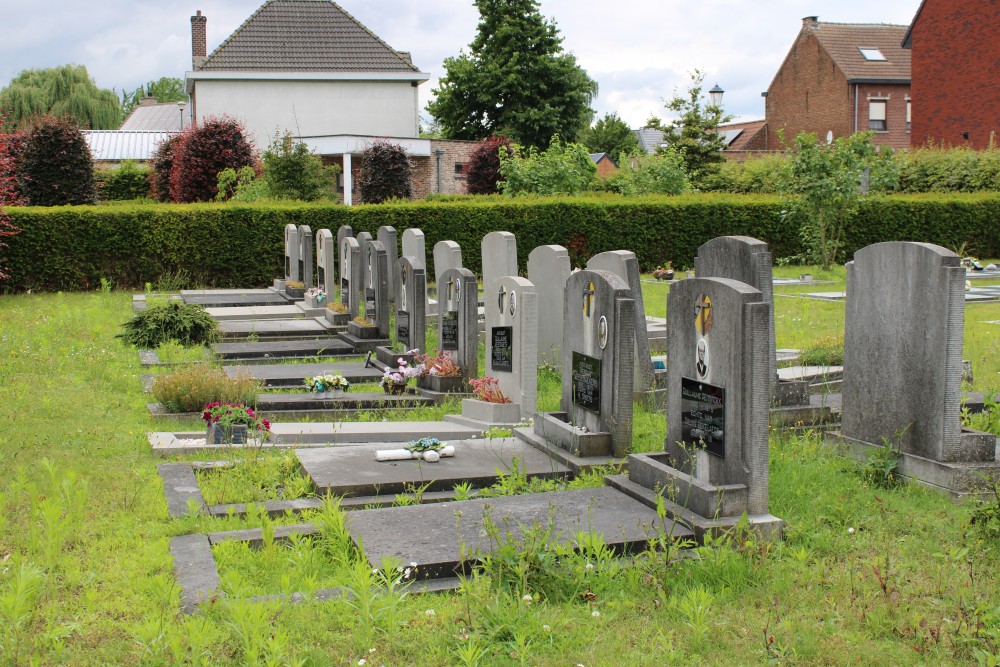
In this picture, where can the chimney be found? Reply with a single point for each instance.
(147, 101)
(199, 47)
(807, 22)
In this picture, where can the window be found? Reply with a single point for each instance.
(876, 115)
(871, 53)
(908, 103)
(459, 168)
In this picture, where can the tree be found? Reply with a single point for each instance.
(693, 133)
(66, 91)
(55, 167)
(202, 152)
(482, 171)
(515, 80)
(163, 163)
(610, 135)
(164, 89)
(661, 174)
(385, 173)
(561, 169)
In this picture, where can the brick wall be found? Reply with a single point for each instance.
(895, 98)
(606, 167)
(956, 89)
(808, 94)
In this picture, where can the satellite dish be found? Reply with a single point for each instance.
(829, 136)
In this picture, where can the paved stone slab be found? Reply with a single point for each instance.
(225, 292)
(167, 443)
(827, 296)
(293, 375)
(235, 300)
(437, 536)
(194, 568)
(275, 329)
(255, 312)
(180, 487)
(286, 433)
(352, 400)
(284, 349)
(353, 471)
(810, 372)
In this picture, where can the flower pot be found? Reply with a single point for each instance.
(361, 331)
(295, 292)
(337, 319)
(393, 388)
(442, 383)
(491, 413)
(217, 434)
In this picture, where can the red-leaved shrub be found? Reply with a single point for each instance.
(482, 171)
(10, 195)
(55, 166)
(385, 173)
(202, 152)
(162, 163)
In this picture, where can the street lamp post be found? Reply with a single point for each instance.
(182, 104)
(716, 94)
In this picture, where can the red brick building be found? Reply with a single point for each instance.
(842, 78)
(955, 48)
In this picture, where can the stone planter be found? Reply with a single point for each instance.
(314, 302)
(361, 331)
(491, 413)
(216, 434)
(337, 319)
(442, 384)
(295, 292)
(392, 388)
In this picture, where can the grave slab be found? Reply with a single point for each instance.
(290, 433)
(443, 538)
(293, 375)
(238, 300)
(194, 569)
(255, 312)
(275, 329)
(285, 349)
(183, 443)
(180, 487)
(353, 471)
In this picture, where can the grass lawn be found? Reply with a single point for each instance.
(864, 575)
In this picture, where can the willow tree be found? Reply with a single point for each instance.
(61, 92)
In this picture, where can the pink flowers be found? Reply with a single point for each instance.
(231, 414)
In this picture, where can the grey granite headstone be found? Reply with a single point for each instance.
(351, 285)
(624, 264)
(903, 351)
(415, 246)
(548, 271)
(411, 304)
(718, 395)
(343, 232)
(458, 320)
(499, 254)
(292, 253)
(364, 238)
(377, 296)
(747, 260)
(511, 306)
(447, 255)
(390, 241)
(326, 274)
(306, 256)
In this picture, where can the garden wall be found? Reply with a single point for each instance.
(226, 245)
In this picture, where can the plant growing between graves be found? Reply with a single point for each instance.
(162, 322)
(254, 479)
(190, 388)
(488, 389)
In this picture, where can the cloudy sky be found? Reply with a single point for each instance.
(639, 51)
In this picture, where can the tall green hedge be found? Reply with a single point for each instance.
(225, 245)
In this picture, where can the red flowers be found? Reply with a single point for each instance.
(230, 414)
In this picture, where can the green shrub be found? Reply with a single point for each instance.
(193, 387)
(932, 169)
(174, 320)
(126, 183)
(756, 175)
(661, 174)
(825, 351)
(560, 169)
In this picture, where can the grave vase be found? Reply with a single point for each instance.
(217, 434)
(364, 332)
(442, 383)
(295, 292)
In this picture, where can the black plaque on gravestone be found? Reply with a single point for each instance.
(345, 291)
(502, 358)
(302, 270)
(403, 326)
(703, 416)
(321, 277)
(449, 331)
(288, 267)
(587, 382)
(370, 301)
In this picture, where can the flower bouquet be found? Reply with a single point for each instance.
(229, 423)
(394, 380)
(322, 384)
(315, 296)
(664, 271)
(440, 373)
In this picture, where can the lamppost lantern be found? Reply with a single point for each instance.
(716, 94)
(180, 107)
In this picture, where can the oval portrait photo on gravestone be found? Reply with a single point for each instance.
(702, 360)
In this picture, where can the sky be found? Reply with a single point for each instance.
(640, 52)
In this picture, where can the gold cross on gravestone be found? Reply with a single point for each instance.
(703, 314)
(588, 296)
(500, 298)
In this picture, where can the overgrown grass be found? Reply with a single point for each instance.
(862, 571)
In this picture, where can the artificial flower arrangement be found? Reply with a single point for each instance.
(328, 382)
(441, 364)
(394, 380)
(228, 416)
(317, 293)
(664, 271)
(487, 389)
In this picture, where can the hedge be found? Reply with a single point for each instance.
(226, 245)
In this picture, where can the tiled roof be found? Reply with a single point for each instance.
(844, 41)
(305, 36)
(649, 139)
(739, 134)
(117, 146)
(164, 117)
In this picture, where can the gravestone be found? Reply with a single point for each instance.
(447, 255)
(624, 264)
(306, 256)
(350, 275)
(390, 241)
(342, 232)
(377, 296)
(598, 345)
(458, 321)
(411, 304)
(548, 270)
(715, 464)
(414, 246)
(326, 277)
(364, 238)
(499, 254)
(903, 364)
(292, 253)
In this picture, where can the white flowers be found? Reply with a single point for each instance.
(527, 599)
(362, 661)
(850, 531)
(595, 614)
(546, 628)
(588, 567)
(430, 612)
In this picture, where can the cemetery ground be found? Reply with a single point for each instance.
(863, 574)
